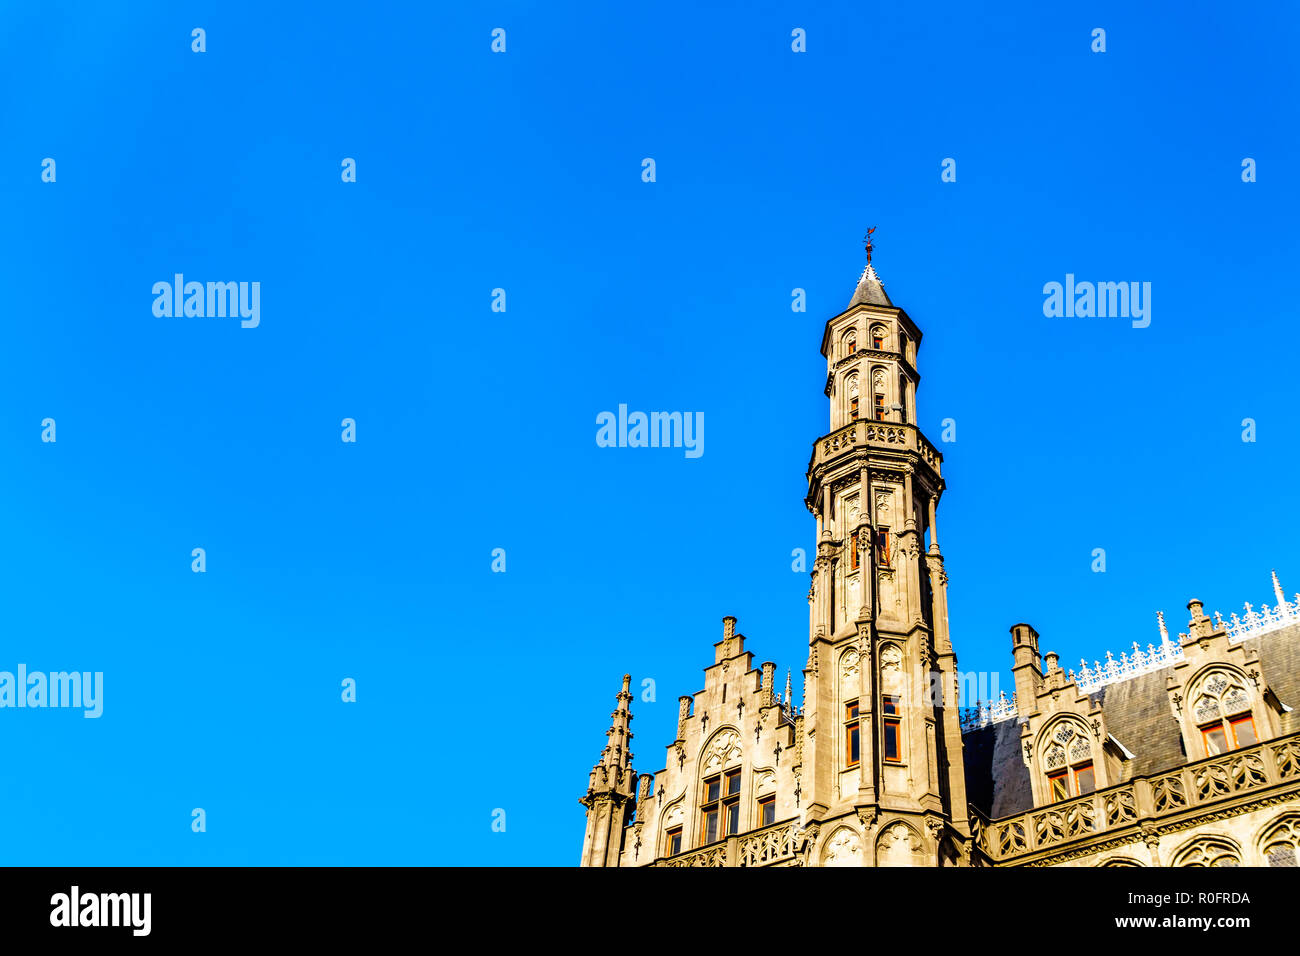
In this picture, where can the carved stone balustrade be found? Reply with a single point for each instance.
(1153, 799)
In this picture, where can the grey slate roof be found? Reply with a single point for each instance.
(870, 290)
(1137, 715)
(997, 780)
(1279, 656)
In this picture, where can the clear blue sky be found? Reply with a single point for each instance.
(476, 430)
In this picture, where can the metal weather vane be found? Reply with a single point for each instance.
(867, 240)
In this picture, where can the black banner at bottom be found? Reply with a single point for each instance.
(498, 906)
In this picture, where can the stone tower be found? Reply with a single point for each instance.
(611, 790)
(1186, 754)
(883, 757)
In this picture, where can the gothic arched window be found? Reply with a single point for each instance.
(1220, 706)
(1209, 851)
(878, 394)
(850, 342)
(720, 794)
(1282, 841)
(853, 398)
(1066, 757)
(878, 337)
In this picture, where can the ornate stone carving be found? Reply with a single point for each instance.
(724, 750)
(849, 664)
(844, 848)
(898, 845)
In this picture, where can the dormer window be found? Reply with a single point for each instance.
(1067, 763)
(1221, 709)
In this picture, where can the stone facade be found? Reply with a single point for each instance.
(1187, 754)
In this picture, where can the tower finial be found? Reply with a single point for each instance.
(867, 240)
(870, 290)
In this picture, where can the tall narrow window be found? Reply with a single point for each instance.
(902, 343)
(1243, 730)
(732, 803)
(852, 734)
(853, 407)
(877, 339)
(902, 398)
(883, 557)
(767, 811)
(891, 727)
(709, 822)
(1059, 783)
(853, 555)
(879, 407)
(1216, 739)
(851, 342)
(674, 841)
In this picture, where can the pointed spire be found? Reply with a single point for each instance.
(614, 769)
(789, 701)
(1277, 590)
(1164, 631)
(611, 791)
(870, 290)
